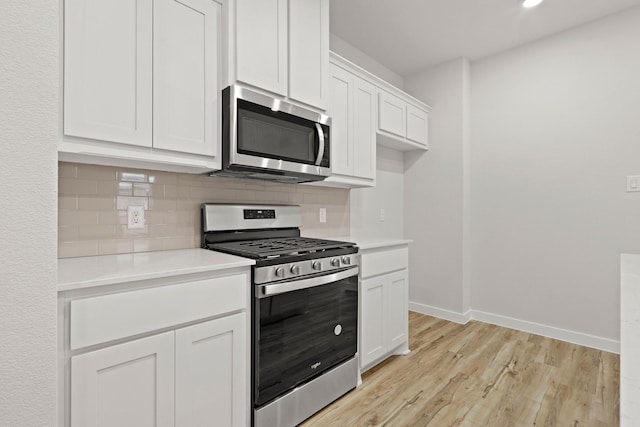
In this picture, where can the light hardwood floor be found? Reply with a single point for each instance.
(482, 375)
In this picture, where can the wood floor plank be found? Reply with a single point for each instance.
(479, 375)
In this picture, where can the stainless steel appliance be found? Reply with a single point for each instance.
(304, 309)
(267, 138)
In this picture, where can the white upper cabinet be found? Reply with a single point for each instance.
(142, 83)
(309, 51)
(108, 70)
(352, 107)
(393, 114)
(282, 47)
(417, 125)
(403, 121)
(185, 73)
(261, 44)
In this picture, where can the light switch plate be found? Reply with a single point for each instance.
(633, 183)
(323, 215)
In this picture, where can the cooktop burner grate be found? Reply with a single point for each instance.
(266, 248)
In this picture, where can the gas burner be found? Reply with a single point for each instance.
(277, 247)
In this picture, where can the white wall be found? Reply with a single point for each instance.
(555, 129)
(366, 203)
(28, 179)
(436, 194)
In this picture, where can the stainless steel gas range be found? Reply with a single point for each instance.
(304, 309)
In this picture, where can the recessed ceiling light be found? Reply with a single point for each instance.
(530, 3)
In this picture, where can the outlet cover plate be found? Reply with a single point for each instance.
(135, 217)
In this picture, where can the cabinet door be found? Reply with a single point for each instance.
(211, 373)
(417, 125)
(261, 44)
(372, 344)
(107, 70)
(185, 75)
(392, 114)
(396, 309)
(340, 110)
(309, 51)
(364, 136)
(127, 385)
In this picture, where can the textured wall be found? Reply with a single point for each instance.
(28, 135)
(93, 204)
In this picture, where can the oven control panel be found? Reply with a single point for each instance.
(299, 269)
(259, 214)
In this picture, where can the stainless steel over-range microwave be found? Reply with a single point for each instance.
(267, 138)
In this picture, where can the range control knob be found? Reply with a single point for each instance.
(335, 262)
(346, 260)
(280, 272)
(295, 269)
(317, 265)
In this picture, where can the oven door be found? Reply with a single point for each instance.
(303, 328)
(262, 133)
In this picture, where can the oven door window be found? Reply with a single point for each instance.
(302, 334)
(277, 135)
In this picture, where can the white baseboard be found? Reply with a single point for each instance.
(579, 338)
(440, 313)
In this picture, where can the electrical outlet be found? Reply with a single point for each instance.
(323, 215)
(382, 215)
(135, 217)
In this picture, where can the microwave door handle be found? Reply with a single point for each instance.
(321, 148)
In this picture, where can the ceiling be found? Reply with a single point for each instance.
(410, 35)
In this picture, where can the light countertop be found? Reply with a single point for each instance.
(85, 272)
(365, 243)
(630, 341)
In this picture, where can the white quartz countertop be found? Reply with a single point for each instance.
(630, 341)
(365, 243)
(84, 272)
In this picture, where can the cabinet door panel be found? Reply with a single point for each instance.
(107, 75)
(211, 378)
(392, 114)
(186, 75)
(341, 131)
(417, 125)
(397, 310)
(373, 318)
(127, 385)
(261, 44)
(309, 51)
(364, 143)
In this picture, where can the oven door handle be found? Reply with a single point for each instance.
(321, 148)
(279, 288)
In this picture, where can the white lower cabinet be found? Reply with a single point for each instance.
(384, 305)
(126, 385)
(172, 354)
(132, 384)
(211, 373)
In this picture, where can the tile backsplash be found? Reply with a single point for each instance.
(93, 201)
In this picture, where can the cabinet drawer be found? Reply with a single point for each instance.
(385, 261)
(104, 318)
